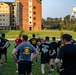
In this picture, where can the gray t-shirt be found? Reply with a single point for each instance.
(25, 51)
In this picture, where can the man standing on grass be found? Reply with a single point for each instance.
(4, 51)
(2, 47)
(55, 46)
(33, 41)
(17, 42)
(68, 56)
(25, 48)
(46, 50)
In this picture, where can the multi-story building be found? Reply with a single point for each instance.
(25, 14)
(4, 15)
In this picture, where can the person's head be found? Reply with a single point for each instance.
(3, 35)
(46, 38)
(19, 41)
(19, 35)
(33, 35)
(65, 38)
(53, 38)
(25, 38)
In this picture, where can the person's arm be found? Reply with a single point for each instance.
(58, 60)
(53, 52)
(35, 51)
(14, 54)
(15, 51)
(36, 54)
(5, 45)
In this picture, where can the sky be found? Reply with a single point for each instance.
(56, 8)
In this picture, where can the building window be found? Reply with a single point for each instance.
(13, 8)
(13, 20)
(30, 11)
(34, 18)
(34, 7)
(34, 12)
(34, 24)
(13, 16)
(30, 22)
(30, 6)
(30, 16)
(3, 19)
(12, 12)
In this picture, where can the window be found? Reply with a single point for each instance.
(34, 18)
(30, 22)
(34, 23)
(34, 7)
(12, 12)
(13, 20)
(30, 6)
(3, 15)
(30, 16)
(13, 8)
(3, 19)
(13, 16)
(34, 12)
(30, 11)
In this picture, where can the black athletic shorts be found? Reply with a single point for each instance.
(24, 67)
(45, 60)
(68, 72)
(4, 51)
(53, 57)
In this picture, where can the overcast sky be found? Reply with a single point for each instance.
(56, 8)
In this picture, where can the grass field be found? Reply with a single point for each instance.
(42, 33)
(9, 69)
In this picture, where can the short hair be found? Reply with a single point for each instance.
(47, 38)
(33, 35)
(67, 37)
(3, 35)
(53, 38)
(20, 41)
(25, 37)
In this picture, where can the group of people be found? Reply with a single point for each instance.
(60, 55)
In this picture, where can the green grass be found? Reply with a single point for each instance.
(42, 33)
(10, 68)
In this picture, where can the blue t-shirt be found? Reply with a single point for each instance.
(25, 51)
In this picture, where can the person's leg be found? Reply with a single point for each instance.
(21, 68)
(42, 69)
(5, 57)
(16, 67)
(29, 68)
(51, 64)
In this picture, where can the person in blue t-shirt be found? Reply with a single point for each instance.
(25, 59)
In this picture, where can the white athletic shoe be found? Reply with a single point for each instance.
(16, 71)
